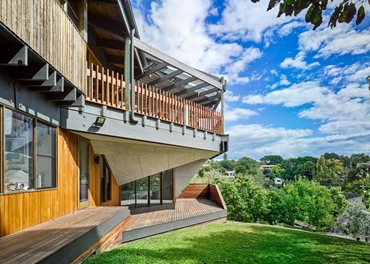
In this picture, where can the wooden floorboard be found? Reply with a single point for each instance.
(37, 243)
(184, 208)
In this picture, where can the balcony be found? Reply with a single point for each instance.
(107, 88)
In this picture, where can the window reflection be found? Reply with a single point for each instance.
(153, 190)
(18, 152)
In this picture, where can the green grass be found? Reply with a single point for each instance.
(238, 243)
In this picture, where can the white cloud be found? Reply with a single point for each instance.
(341, 40)
(255, 141)
(238, 114)
(231, 97)
(298, 62)
(180, 29)
(295, 95)
(244, 20)
(282, 82)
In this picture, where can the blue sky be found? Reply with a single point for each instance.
(291, 90)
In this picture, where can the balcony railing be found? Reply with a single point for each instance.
(108, 88)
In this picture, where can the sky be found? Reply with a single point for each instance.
(291, 91)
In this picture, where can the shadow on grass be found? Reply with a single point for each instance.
(245, 244)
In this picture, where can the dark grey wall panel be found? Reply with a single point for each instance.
(147, 129)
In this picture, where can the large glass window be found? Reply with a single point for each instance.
(46, 149)
(84, 170)
(19, 152)
(142, 189)
(155, 189)
(152, 190)
(167, 186)
(105, 180)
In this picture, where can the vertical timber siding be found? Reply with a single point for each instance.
(46, 28)
(94, 185)
(21, 210)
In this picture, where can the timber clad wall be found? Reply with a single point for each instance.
(94, 185)
(21, 210)
(46, 28)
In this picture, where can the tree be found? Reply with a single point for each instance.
(329, 172)
(345, 12)
(227, 164)
(250, 165)
(272, 160)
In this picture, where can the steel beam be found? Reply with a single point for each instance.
(20, 58)
(166, 77)
(155, 68)
(179, 84)
(176, 63)
(187, 91)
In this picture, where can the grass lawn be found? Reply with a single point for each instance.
(238, 243)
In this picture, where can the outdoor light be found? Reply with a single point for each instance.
(100, 120)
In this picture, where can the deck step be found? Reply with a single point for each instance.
(147, 231)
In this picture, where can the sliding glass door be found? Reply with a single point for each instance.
(152, 190)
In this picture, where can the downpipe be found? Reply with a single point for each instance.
(132, 91)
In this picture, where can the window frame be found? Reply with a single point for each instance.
(104, 168)
(34, 131)
(55, 157)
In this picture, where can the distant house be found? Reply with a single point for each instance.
(230, 174)
(267, 168)
(278, 182)
(363, 165)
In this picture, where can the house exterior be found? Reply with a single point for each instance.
(92, 116)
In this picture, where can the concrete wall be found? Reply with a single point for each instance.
(184, 173)
(132, 160)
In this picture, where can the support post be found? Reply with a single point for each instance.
(127, 73)
(223, 81)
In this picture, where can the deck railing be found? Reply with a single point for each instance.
(108, 88)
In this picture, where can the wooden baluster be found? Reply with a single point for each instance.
(151, 100)
(103, 77)
(91, 81)
(142, 98)
(96, 84)
(107, 87)
(157, 102)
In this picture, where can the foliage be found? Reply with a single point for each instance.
(300, 200)
(227, 164)
(355, 222)
(250, 165)
(206, 175)
(329, 172)
(272, 160)
(345, 12)
(301, 166)
(237, 243)
(245, 201)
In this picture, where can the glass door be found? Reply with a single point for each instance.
(84, 173)
(142, 192)
(155, 189)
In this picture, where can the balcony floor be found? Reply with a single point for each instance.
(61, 240)
(186, 212)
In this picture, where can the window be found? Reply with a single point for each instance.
(46, 172)
(152, 190)
(105, 180)
(30, 149)
(84, 170)
(18, 166)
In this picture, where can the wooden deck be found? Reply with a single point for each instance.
(186, 212)
(61, 240)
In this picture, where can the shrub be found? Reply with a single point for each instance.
(300, 200)
(355, 222)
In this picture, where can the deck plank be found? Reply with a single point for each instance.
(184, 208)
(36, 243)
